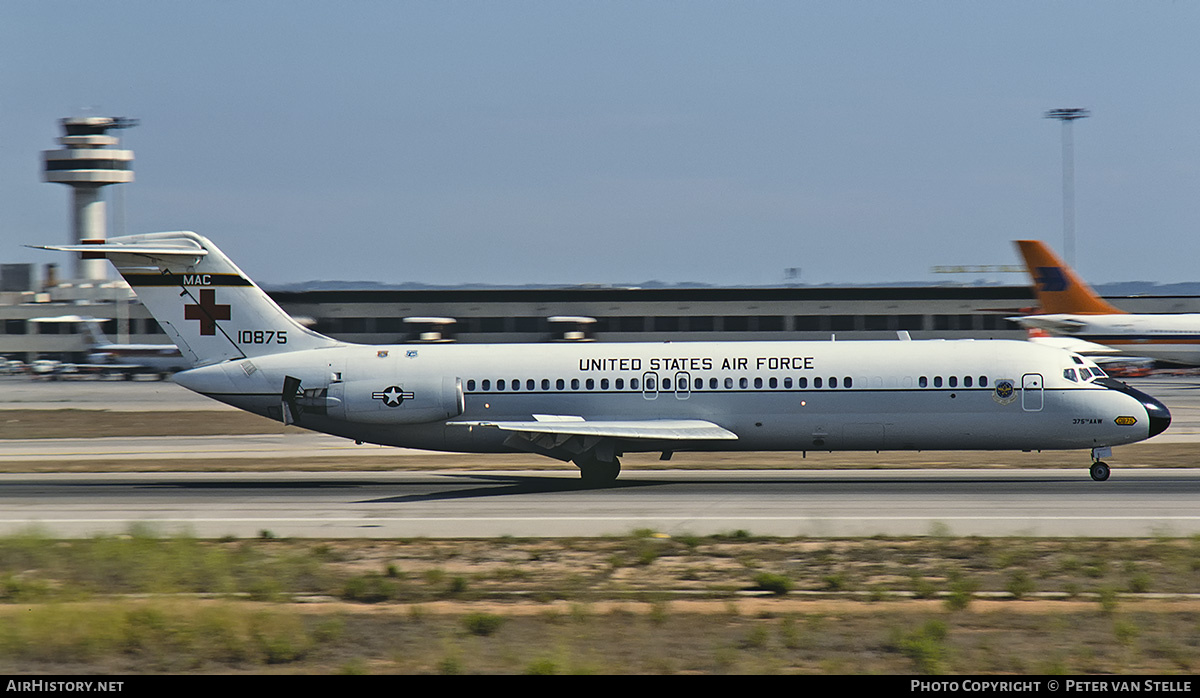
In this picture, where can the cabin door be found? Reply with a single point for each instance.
(1031, 392)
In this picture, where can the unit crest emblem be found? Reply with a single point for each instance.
(1005, 391)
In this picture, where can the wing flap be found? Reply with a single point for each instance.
(652, 430)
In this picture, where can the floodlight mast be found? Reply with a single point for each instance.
(1066, 116)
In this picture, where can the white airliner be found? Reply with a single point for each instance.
(590, 403)
(1071, 308)
(107, 357)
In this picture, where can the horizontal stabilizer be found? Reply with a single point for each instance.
(143, 250)
(654, 430)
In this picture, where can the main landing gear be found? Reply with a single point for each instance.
(598, 472)
(1100, 469)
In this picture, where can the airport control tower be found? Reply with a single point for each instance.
(87, 162)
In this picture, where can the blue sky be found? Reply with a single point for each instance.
(617, 142)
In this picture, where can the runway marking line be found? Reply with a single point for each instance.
(368, 519)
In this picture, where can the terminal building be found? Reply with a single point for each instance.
(568, 314)
(660, 314)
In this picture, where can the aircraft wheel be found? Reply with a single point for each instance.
(1100, 471)
(597, 472)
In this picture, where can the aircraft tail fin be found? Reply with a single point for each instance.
(1058, 288)
(210, 308)
(95, 333)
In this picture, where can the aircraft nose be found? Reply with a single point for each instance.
(1156, 413)
(1159, 415)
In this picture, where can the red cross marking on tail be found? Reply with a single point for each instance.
(207, 312)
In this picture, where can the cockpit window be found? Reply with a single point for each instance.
(1069, 373)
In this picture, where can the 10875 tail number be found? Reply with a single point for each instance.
(262, 337)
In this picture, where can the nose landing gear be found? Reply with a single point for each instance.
(1100, 469)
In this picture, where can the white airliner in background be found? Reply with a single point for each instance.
(1071, 309)
(107, 357)
(590, 403)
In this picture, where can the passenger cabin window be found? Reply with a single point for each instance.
(816, 382)
(847, 383)
(937, 381)
(953, 381)
(923, 382)
(471, 385)
(545, 384)
(486, 385)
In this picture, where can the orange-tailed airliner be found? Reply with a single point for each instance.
(1071, 308)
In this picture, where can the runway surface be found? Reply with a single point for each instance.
(480, 504)
(22, 392)
(552, 503)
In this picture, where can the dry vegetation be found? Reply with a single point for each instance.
(636, 604)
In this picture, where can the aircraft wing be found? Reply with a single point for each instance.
(1057, 325)
(650, 429)
(1079, 346)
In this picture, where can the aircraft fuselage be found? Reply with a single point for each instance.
(795, 396)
